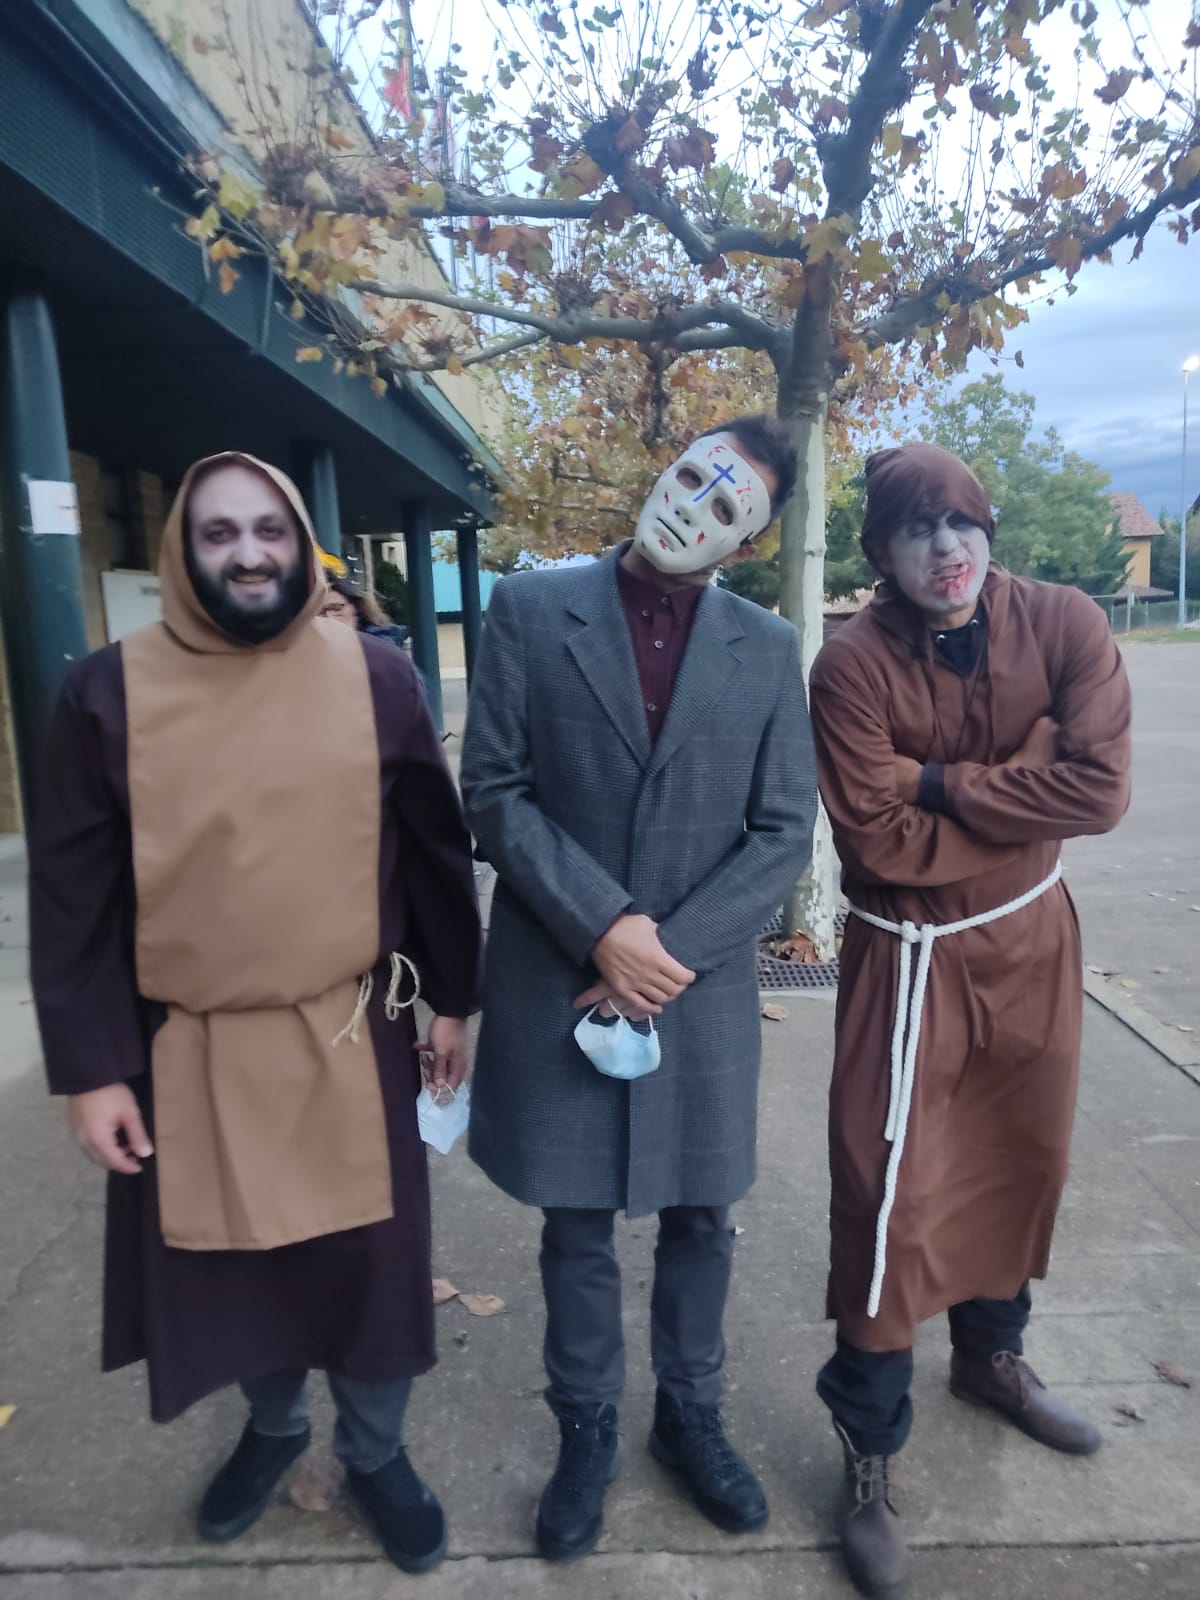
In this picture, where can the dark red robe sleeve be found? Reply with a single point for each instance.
(81, 898)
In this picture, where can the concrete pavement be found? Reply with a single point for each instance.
(95, 1501)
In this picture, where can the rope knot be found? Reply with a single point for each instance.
(910, 933)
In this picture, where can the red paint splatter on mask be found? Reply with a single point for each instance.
(955, 585)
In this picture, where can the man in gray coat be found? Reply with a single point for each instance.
(638, 768)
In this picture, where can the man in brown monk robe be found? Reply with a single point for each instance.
(248, 857)
(966, 723)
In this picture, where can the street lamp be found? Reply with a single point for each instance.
(1189, 366)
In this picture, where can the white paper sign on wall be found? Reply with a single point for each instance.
(53, 506)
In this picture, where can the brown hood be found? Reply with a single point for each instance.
(917, 478)
(185, 618)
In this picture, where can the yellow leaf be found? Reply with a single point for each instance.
(454, 366)
(379, 386)
(828, 241)
(872, 260)
(336, 139)
(223, 249)
(297, 311)
(433, 196)
(6, 1415)
(890, 138)
(227, 277)
(310, 352)
(205, 225)
(1186, 168)
(237, 197)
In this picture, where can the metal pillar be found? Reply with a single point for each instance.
(316, 474)
(418, 548)
(44, 631)
(472, 610)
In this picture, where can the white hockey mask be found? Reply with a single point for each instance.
(704, 506)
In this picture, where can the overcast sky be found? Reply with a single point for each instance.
(1104, 368)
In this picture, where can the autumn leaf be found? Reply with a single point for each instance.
(1187, 168)
(890, 138)
(336, 139)
(297, 311)
(7, 1413)
(482, 1305)
(443, 1291)
(205, 225)
(1170, 1373)
(1018, 47)
(827, 241)
(227, 277)
(347, 236)
(773, 1012)
(985, 100)
(612, 213)
(310, 352)
(317, 191)
(316, 1485)
(630, 136)
(223, 249)
(1114, 89)
(1191, 39)
(872, 260)
(379, 386)
(432, 195)
(579, 176)
(782, 174)
(697, 148)
(454, 366)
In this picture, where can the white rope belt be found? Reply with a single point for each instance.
(392, 1003)
(906, 1040)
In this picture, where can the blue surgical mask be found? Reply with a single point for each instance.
(442, 1118)
(617, 1048)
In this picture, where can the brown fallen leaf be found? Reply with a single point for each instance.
(482, 1305)
(773, 1012)
(316, 1485)
(798, 948)
(1170, 1373)
(1129, 1412)
(443, 1290)
(6, 1415)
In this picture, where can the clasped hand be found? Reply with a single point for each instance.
(637, 976)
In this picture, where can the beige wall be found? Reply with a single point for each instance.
(10, 791)
(250, 66)
(1139, 567)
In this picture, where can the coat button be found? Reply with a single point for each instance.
(650, 706)
(658, 644)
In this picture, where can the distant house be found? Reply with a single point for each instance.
(1138, 529)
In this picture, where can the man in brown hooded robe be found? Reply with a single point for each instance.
(966, 723)
(248, 856)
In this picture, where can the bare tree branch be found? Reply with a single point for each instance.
(667, 328)
(920, 310)
(487, 352)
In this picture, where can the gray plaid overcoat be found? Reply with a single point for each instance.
(582, 818)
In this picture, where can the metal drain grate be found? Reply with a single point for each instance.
(793, 977)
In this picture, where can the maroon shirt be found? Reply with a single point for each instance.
(659, 627)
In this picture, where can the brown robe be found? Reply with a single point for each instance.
(985, 1158)
(356, 1302)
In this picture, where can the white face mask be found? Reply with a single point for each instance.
(617, 1048)
(442, 1119)
(939, 563)
(705, 504)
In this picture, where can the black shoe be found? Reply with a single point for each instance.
(406, 1515)
(691, 1438)
(241, 1490)
(571, 1511)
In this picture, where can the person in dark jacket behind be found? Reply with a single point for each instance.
(361, 611)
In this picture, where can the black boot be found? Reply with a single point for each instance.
(241, 1490)
(871, 1531)
(405, 1514)
(691, 1438)
(571, 1511)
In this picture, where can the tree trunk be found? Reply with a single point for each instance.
(803, 405)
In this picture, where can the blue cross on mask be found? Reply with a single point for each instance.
(722, 472)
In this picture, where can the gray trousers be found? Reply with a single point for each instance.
(585, 1347)
(370, 1414)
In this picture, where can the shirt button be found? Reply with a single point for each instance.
(645, 613)
(650, 706)
(658, 644)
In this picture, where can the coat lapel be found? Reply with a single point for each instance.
(604, 654)
(708, 664)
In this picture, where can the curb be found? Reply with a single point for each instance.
(1181, 1050)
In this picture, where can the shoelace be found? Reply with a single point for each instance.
(872, 1480)
(1008, 1365)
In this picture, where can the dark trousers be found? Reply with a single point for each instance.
(585, 1347)
(868, 1390)
(370, 1413)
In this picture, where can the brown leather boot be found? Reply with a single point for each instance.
(1010, 1385)
(869, 1526)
